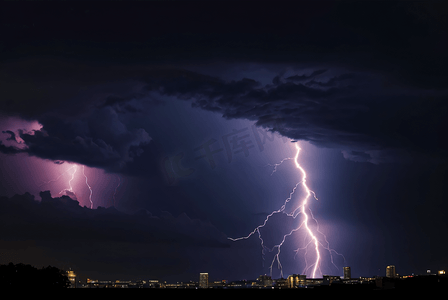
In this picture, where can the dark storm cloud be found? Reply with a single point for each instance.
(354, 113)
(375, 85)
(305, 77)
(406, 39)
(367, 78)
(358, 113)
(98, 140)
(80, 119)
(62, 224)
(12, 135)
(332, 81)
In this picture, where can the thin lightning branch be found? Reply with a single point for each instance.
(303, 209)
(70, 189)
(276, 256)
(277, 165)
(267, 218)
(70, 181)
(57, 178)
(90, 197)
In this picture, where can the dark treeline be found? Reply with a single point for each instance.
(27, 276)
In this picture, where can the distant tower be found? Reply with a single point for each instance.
(72, 278)
(203, 280)
(347, 273)
(264, 280)
(390, 271)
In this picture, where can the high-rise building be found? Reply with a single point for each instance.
(264, 280)
(295, 281)
(391, 272)
(347, 273)
(203, 280)
(292, 279)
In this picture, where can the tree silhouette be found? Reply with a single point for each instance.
(27, 276)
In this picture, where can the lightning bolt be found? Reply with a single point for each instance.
(70, 189)
(303, 205)
(91, 192)
(73, 176)
(301, 209)
(74, 168)
(57, 178)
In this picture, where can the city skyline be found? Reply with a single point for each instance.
(265, 281)
(65, 203)
(239, 139)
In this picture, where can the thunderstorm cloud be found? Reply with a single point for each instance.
(374, 92)
(355, 113)
(134, 91)
(82, 236)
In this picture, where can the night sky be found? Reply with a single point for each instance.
(137, 138)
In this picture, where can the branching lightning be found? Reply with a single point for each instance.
(57, 178)
(310, 234)
(278, 164)
(90, 196)
(70, 189)
(73, 169)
